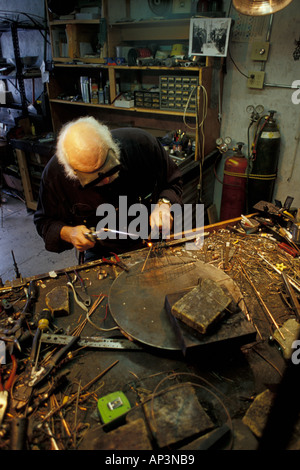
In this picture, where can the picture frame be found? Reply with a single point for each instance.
(209, 36)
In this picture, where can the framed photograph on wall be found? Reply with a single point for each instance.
(209, 36)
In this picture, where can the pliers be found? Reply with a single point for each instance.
(5, 388)
(116, 262)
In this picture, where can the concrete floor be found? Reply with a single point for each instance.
(18, 233)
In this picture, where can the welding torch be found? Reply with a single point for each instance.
(94, 235)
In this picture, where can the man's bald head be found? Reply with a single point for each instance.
(83, 145)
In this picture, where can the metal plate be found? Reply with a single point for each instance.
(137, 298)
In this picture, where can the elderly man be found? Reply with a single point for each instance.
(95, 166)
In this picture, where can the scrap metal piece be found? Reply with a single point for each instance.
(141, 313)
(57, 300)
(176, 415)
(202, 306)
(91, 342)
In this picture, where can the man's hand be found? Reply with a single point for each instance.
(75, 235)
(161, 220)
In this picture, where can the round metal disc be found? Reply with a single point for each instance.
(137, 298)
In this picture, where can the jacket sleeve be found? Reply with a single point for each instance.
(49, 217)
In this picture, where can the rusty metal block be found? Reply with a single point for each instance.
(176, 415)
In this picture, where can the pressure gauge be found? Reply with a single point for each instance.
(250, 109)
(219, 141)
(259, 109)
(227, 140)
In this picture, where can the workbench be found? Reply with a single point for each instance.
(177, 397)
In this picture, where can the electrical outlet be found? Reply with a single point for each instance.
(260, 50)
(256, 80)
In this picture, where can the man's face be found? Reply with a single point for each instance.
(103, 175)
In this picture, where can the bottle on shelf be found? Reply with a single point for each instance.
(101, 96)
(107, 93)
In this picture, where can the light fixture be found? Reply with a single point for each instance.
(259, 7)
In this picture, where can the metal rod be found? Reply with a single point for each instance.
(52, 412)
(262, 301)
(294, 284)
(144, 265)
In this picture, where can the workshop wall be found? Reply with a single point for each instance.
(280, 69)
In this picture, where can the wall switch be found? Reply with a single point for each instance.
(256, 80)
(260, 50)
(181, 6)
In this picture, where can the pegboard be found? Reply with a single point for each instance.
(247, 28)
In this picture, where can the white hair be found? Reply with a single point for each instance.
(104, 137)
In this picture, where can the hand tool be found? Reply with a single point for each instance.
(77, 298)
(288, 249)
(6, 387)
(31, 295)
(9, 339)
(44, 371)
(293, 297)
(91, 342)
(23, 392)
(88, 299)
(94, 235)
(116, 262)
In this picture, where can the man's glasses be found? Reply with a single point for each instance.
(109, 168)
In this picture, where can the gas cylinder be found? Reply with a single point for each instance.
(264, 161)
(234, 185)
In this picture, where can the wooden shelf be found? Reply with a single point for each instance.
(161, 30)
(65, 79)
(64, 22)
(117, 108)
(66, 63)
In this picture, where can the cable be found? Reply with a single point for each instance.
(242, 73)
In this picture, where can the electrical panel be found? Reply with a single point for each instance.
(256, 80)
(260, 50)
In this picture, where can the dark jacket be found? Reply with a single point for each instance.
(147, 174)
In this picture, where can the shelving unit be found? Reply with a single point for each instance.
(64, 86)
(19, 74)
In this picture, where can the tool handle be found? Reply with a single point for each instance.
(12, 374)
(32, 297)
(56, 358)
(35, 344)
(288, 249)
